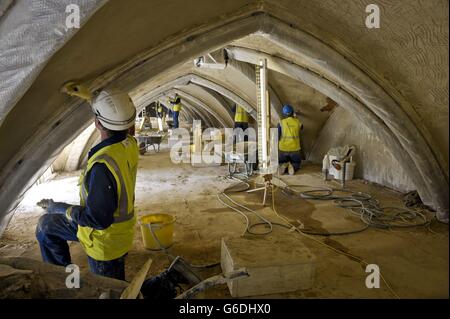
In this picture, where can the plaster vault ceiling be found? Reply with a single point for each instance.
(394, 79)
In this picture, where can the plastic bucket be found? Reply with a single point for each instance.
(157, 231)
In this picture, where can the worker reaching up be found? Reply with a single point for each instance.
(176, 108)
(289, 141)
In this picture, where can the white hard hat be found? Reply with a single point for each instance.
(114, 109)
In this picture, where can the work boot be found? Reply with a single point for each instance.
(291, 169)
(282, 168)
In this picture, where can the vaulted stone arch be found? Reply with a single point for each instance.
(312, 60)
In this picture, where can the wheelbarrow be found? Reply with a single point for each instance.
(151, 140)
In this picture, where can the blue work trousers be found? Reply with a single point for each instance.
(175, 119)
(293, 157)
(54, 230)
(243, 126)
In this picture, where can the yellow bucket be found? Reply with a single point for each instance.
(157, 231)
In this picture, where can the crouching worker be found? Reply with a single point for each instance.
(289, 142)
(104, 221)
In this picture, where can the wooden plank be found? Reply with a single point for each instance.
(133, 290)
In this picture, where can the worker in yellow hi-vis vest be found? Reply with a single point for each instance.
(105, 219)
(289, 141)
(176, 109)
(240, 120)
(240, 117)
(160, 115)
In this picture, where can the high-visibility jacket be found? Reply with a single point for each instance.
(160, 109)
(241, 115)
(116, 240)
(290, 135)
(177, 107)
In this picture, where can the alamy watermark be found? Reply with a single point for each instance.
(373, 18)
(373, 279)
(217, 146)
(73, 17)
(73, 279)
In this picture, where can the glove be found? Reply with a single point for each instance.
(53, 207)
(44, 203)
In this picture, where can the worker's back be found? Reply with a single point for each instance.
(290, 134)
(121, 159)
(177, 107)
(240, 115)
(176, 104)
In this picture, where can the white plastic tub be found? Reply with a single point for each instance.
(349, 172)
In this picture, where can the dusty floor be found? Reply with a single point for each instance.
(413, 261)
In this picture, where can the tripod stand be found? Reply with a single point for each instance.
(268, 187)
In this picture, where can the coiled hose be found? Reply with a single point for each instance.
(240, 209)
(364, 206)
(361, 204)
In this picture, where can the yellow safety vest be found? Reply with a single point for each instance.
(177, 107)
(116, 240)
(160, 109)
(241, 115)
(290, 137)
